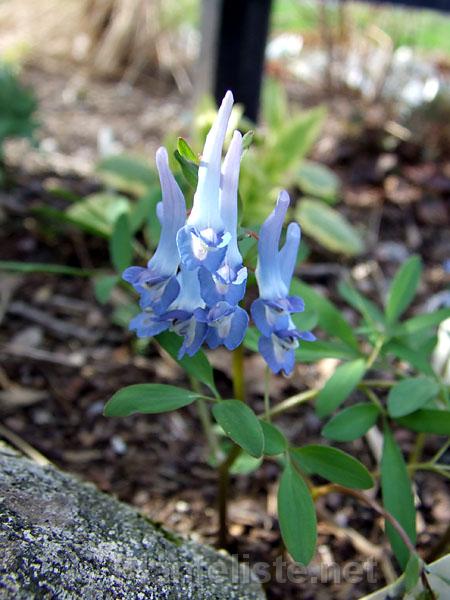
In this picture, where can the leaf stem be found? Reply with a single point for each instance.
(225, 466)
(293, 401)
(205, 420)
(375, 352)
(211, 438)
(267, 393)
(238, 373)
(224, 484)
(417, 450)
(335, 487)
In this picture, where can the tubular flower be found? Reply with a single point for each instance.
(157, 283)
(272, 311)
(203, 241)
(229, 281)
(186, 314)
(227, 325)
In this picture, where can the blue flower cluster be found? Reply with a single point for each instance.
(195, 280)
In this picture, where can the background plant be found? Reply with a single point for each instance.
(17, 109)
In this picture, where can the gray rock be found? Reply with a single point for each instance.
(63, 539)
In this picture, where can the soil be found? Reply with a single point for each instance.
(56, 379)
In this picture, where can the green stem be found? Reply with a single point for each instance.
(205, 420)
(292, 402)
(375, 352)
(374, 398)
(238, 373)
(378, 383)
(440, 452)
(303, 397)
(224, 485)
(267, 394)
(210, 434)
(416, 452)
(224, 468)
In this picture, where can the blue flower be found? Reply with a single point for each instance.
(203, 241)
(186, 315)
(148, 323)
(157, 283)
(272, 311)
(278, 350)
(228, 282)
(227, 325)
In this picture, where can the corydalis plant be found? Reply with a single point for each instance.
(195, 280)
(193, 286)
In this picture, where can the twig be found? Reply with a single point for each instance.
(23, 446)
(61, 329)
(74, 360)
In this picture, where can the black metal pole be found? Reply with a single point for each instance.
(242, 40)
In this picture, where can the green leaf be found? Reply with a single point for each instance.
(352, 422)
(420, 360)
(98, 212)
(148, 398)
(247, 139)
(318, 180)
(421, 322)
(294, 140)
(411, 394)
(188, 168)
(30, 267)
(340, 385)
(412, 573)
(131, 174)
(403, 288)
(144, 210)
(297, 516)
(274, 103)
(120, 246)
(330, 318)
(363, 305)
(306, 320)
(427, 420)
(241, 424)
(333, 464)
(308, 351)
(328, 227)
(186, 151)
(397, 496)
(274, 440)
(313, 351)
(245, 464)
(103, 286)
(197, 366)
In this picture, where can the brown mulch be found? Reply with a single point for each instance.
(55, 379)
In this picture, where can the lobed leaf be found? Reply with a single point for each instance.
(408, 395)
(397, 496)
(297, 516)
(427, 420)
(241, 424)
(328, 227)
(148, 398)
(352, 422)
(339, 386)
(403, 288)
(330, 318)
(274, 440)
(318, 180)
(333, 464)
(120, 244)
(197, 366)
